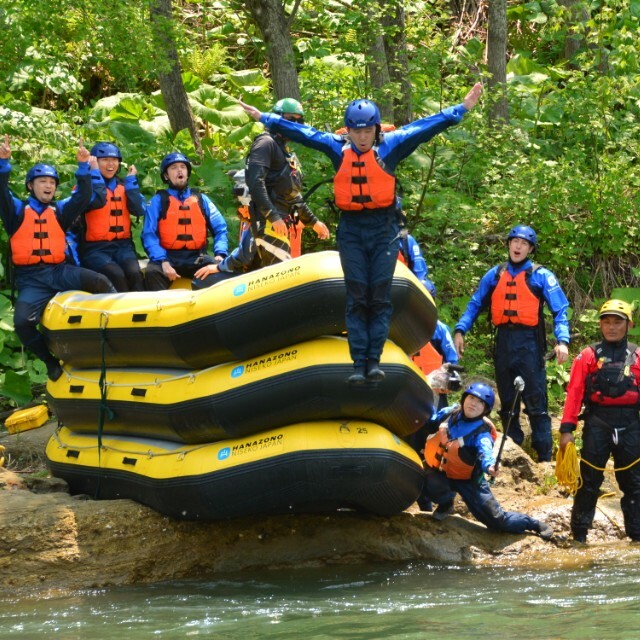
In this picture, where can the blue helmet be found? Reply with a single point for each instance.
(41, 171)
(360, 114)
(481, 391)
(173, 158)
(106, 150)
(525, 233)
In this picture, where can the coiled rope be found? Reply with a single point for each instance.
(568, 468)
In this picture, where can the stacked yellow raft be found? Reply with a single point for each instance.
(311, 468)
(236, 319)
(298, 383)
(192, 443)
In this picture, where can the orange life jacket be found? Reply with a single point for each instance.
(451, 456)
(513, 301)
(39, 239)
(110, 222)
(182, 225)
(362, 183)
(428, 359)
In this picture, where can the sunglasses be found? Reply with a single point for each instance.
(293, 117)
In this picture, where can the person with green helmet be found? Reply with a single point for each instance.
(604, 388)
(274, 178)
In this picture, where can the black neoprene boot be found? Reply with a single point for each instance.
(359, 374)
(374, 372)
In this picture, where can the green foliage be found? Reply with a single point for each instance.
(567, 162)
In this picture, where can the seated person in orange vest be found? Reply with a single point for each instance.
(365, 192)
(459, 455)
(36, 229)
(103, 235)
(515, 292)
(174, 233)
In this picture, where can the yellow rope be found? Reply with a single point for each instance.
(593, 466)
(568, 469)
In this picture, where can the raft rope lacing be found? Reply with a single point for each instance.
(180, 453)
(144, 307)
(191, 376)
(568, 469)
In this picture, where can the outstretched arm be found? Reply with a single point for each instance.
(8, 204)
(471, 99)
(252, 112)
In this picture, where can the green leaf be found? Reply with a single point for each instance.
(191, 82)
(132, 133)
(248, 79)
(102, 108)
(16, 386)
(216, 107)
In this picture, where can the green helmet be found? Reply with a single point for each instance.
(287, 105)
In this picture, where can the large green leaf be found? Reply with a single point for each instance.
(251, 80)
(102, 108)
(214, 175)
(16, 386)
(216, 107)
(132, 133)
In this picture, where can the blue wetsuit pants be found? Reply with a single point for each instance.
(36, 286)
(477, 495)
(518, 353)
(368, 255)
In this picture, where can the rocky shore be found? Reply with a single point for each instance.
(52, 543)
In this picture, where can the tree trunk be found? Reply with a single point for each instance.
(380, 78)
(395, 41)
(170, 73)
(497, 62)
(273, 23)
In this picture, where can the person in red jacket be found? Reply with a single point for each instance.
(605, 379)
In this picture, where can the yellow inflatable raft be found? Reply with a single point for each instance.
(304, 468)
(306, 381)
(235, 319)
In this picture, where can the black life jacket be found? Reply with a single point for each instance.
(613, 378)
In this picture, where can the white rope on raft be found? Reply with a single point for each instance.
(67, 307)
(190, 375)
(180, 453)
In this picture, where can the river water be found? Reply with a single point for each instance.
(410, 601)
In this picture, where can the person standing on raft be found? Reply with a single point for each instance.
(365, 193)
